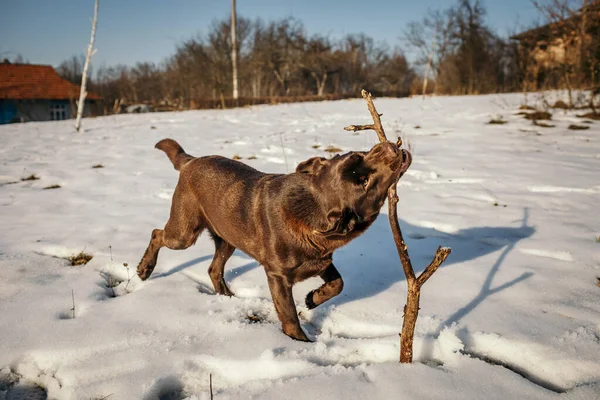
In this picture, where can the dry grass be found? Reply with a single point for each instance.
(253, 319)
(333, 149)
(80, 259)
(98, 166)
(417, 126)
(316, 146)
(236, 157)
(591, 115)
(52, 187)
(252, 158)
(539, 115)
(575, 127)
(543, 124)
(561, 104)
(497, 121)
(526, 107)
(32, 177)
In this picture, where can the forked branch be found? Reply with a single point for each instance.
(376, 125)
(411, 310)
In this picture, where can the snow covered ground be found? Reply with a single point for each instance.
(513, 313)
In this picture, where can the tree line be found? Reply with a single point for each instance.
(279, 59)
(276, 59)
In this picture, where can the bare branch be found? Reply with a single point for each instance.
(378, 128)
(355, 128)
(376, 125)
(401, 246)
(411, 310)
(440, 256)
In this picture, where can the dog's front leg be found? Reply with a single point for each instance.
(332, 287)
(281, 292)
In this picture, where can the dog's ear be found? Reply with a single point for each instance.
(311, 166)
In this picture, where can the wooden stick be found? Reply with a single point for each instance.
(411, 309)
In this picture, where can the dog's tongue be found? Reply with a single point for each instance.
(406, 160)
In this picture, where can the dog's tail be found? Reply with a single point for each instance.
(175, 152)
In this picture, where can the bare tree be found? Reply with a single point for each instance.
(319, 61)
(466, 57)
(72, 69)
(273, 59)
(392, 74)
(12, 57)
(90, 52)
(437, 24)
(282, 51)
(234, 50)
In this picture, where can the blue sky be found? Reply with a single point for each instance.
(47, 32)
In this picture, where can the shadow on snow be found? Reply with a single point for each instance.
(370, 264)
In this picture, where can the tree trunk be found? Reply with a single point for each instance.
(234, 50)
(281, 81)
(90, 51)
(581, 47)
(429, 62)
(255, 85)
(320, 83)
(223, 105)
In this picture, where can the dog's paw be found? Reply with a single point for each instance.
(309, 300)
(299, 336)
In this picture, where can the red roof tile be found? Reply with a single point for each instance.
(29, 82)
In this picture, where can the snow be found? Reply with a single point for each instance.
(513, 313)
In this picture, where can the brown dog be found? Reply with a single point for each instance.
(291, 224)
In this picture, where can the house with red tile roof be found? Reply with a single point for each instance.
(37, 93)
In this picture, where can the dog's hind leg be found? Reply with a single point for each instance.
(181, 231)
(223, 251)
(332, 287)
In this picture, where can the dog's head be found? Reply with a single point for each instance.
(353, 187)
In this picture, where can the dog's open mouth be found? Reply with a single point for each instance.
(401, 161)
(406, 161)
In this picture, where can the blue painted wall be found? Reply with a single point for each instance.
(8, 110)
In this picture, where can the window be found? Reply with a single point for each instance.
(58, 111)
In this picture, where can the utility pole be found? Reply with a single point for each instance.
(234, 50)
(88, 57)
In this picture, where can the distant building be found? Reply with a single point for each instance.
(551, 47)
(37, 93)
